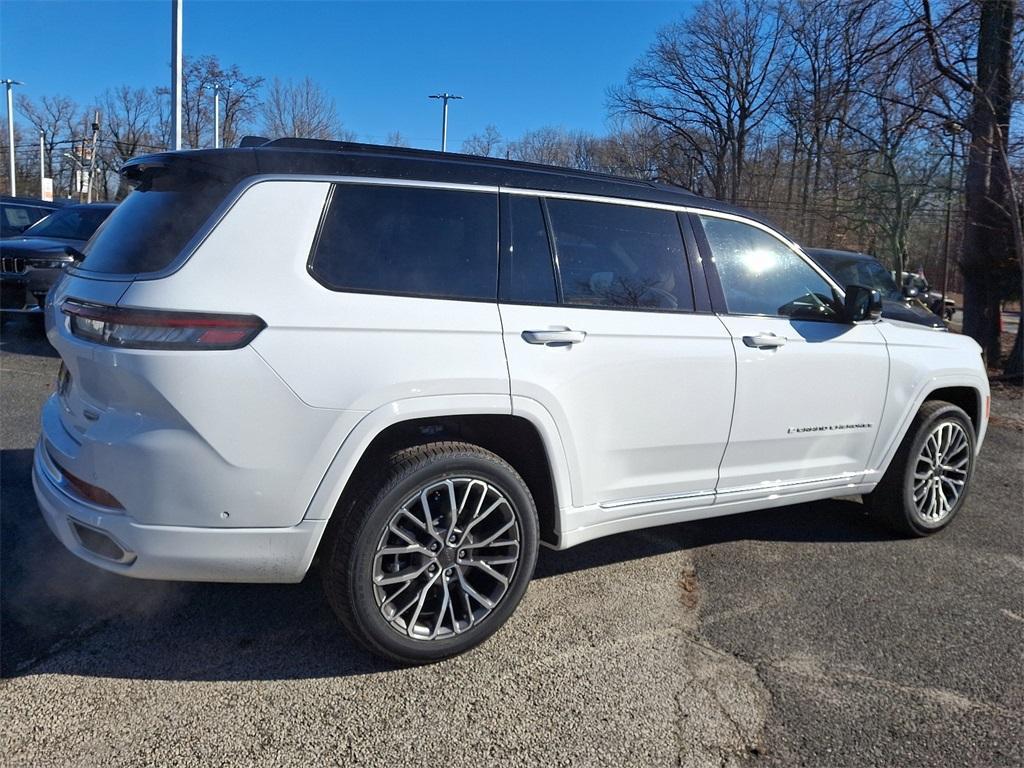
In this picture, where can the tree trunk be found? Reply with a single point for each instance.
(986, 241)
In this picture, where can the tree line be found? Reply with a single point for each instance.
(853, 124)
(135, 121)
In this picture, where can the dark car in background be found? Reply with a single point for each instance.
(852, 268)
(19, 213)
(33, 260)
(915, 286)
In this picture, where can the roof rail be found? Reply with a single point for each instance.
(324, 145)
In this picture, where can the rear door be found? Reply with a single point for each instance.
(810, 388)
(636, 373)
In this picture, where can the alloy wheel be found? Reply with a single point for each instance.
(941, 472)
(446, 558)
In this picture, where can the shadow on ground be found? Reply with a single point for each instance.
(61, 615)
(25, 335)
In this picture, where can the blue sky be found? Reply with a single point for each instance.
(519, 65)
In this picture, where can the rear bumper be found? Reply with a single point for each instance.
(175, 553)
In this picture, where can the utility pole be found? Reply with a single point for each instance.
(10, 128)
(216, 115)
(42, 165)
(92, 158)
(953, 128)
(176, 73)
(445, 97)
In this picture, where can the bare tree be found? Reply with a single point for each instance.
(301, 110)
(129, 128)
(711, 80)
(486, 144)
(239, 101)
(54, 117)
(396, 139)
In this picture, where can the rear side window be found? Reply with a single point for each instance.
(147, 231)
(527, 271)
(620, 256)
(409, 240)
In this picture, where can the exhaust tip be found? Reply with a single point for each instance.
(101, 544)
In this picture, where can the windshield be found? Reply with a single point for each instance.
(69, 223)
(861, 271)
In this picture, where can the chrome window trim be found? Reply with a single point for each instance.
(684, 209)
(250, 181)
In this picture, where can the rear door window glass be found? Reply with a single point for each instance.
(417, 241)
(621, 256)
(527, 272)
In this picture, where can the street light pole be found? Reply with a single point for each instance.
(952, 128)
(92, 156)
(445, 97)
(10, 128)
(176, 73)
(42, 164)
(216, 115)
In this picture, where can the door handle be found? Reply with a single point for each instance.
(561, 338)
(764, 340)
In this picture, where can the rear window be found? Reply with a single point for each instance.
(417, 241)
(78, 223)
(155, 222)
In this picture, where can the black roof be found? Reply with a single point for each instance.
(342, 158)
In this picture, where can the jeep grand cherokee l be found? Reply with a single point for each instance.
(417, 367)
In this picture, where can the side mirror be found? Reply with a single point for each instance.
(862, 304)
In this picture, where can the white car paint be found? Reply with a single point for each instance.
(229, 464)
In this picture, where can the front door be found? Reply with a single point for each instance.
(810, 388)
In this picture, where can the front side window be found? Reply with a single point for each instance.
(620, 256)
(409, 240)
(760, 275)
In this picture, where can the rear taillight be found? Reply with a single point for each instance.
(159, 329)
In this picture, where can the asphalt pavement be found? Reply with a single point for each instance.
(796, 636)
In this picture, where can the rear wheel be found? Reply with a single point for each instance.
(434, 553)
(927, 482)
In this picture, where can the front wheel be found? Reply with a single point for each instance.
(927, 481)
(434, 554)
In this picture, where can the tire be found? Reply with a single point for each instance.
(894, 501)
(387, 515)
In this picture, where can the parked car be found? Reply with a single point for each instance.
(32, 261)
(849, 267)
(916, 288)
(19, 213)
(416, 367)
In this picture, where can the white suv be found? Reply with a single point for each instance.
(417, 367)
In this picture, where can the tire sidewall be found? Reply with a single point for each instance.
(360, 581)
(950, 413)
